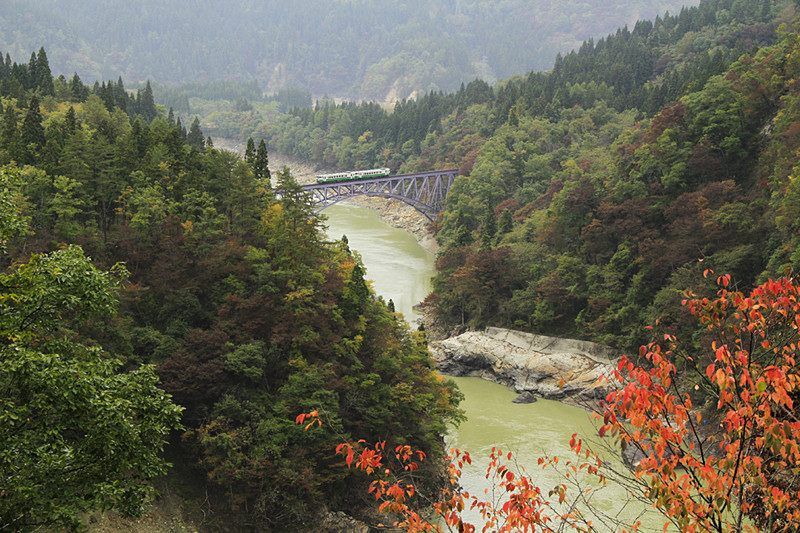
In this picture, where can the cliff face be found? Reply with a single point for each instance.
(534, 365)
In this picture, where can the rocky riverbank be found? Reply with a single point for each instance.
(533, 365)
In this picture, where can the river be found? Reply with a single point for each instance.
(400, 269)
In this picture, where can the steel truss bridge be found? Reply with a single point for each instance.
(425, 191)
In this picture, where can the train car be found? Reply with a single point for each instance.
(353, 175)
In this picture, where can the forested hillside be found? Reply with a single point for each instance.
(137, 261)
(359, 49)
(594, 192)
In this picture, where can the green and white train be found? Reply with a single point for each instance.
(353, 175)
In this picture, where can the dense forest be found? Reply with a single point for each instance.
(158, 300)
(357, 49)
(590, 192)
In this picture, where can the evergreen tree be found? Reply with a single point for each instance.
(180, 129)
(120, 95)
(70, 121)
(250, 151)
(195, 137)
(171, 117)
(261, 163)
(32, 133)
(44, 77)
(390, 305)
(146, 103)
(77, 89)
(33, 77)
(209, 142)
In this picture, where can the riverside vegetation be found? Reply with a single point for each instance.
(229, 305)
(595, 199)
(590, 192)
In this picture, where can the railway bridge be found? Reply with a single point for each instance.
(425, 191)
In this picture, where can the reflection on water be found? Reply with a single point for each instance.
(397, 265)
(401, 269)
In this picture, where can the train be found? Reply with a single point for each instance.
(353, 175)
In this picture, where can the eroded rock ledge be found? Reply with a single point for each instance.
(548, 367)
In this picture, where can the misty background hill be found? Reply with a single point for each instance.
(371, 49)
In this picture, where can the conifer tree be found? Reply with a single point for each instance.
(171, 117)
(250, 151)
(261, 163)
(147, 104)
(32, 133)
(120, 95)
(77, 89)
(33, 76)
(44, 77)
(209, 142)
(70, 121)
(195, 136)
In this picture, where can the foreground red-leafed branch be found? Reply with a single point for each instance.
(715, 434)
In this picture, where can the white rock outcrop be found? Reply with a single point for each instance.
(549, 367)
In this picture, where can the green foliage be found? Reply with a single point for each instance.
(233, 292)
(643, 68)
(610, 216)
(76, 432)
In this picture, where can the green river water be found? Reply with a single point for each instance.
(401, 269)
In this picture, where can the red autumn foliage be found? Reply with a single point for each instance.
(721, 455)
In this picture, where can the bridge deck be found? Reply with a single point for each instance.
(316, 186)
(425, 191)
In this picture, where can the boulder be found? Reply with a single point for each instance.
(525, 397)
(548, 367)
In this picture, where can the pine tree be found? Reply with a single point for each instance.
(250, 151)
(209, 142)
(146, 103)
(390, 306)
(33, 77)
(77, 89)
(70, 121)
(171, 117)
(32, 134)
(44, 77)
(120, 95)
(195, 137)
(180, 130)
(261, 163)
